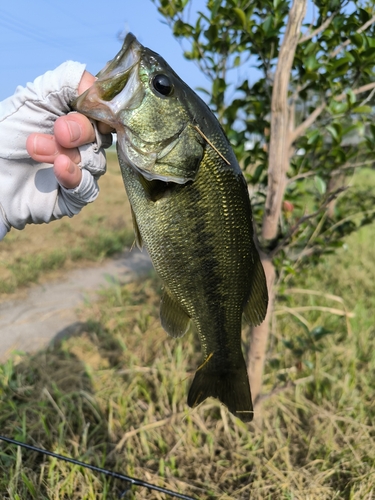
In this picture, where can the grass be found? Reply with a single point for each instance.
(43, 252)
(115, 396)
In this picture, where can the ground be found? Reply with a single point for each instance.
(114, 394)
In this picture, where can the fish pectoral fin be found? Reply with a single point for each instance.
(225, 381)
(174, 319)
(137, 234)
(256, 308)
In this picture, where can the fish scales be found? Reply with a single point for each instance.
(191, 210)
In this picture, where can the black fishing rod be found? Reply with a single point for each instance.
(116, 475)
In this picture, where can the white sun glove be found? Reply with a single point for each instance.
(29, 191)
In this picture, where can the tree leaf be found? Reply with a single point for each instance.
(351, 97)
(237, 61)
(320, 185)
(319, 331)
(241, 16)
(334, 132)
(267, 24)
(362, 109)
(337, 107)
(357, 40)
(313, 136)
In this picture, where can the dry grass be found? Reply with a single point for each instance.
(41, 252)
(115, 396)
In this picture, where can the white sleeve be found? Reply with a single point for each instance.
(29, 191)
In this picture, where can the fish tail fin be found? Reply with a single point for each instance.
(229, 384)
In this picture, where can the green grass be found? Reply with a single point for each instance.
(115, 396)
(28, 269)
(41, 252)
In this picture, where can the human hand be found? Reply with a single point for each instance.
(37, 129)
(61, 148)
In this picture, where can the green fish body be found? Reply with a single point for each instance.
(191, 210)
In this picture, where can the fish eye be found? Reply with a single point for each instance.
(162, 84)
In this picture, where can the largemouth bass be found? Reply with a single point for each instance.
(191, 210)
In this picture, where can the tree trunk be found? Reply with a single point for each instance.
(259, 335)
(278, 161)
(278, 165)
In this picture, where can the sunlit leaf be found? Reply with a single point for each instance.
(363, 109)
(240, 15)
(320, 185)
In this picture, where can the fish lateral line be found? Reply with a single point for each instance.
(210, 143)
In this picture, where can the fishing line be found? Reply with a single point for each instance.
(116, 475)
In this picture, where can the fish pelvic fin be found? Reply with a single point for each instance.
(228, 383)
(256, 308)
(174, 319)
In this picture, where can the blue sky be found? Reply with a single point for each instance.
(38, 35)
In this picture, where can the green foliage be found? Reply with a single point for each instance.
(29, 268)
(333, 70)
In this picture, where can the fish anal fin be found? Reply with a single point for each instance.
(137, 234)
(255, 309)
(229, 384)
(174, 319)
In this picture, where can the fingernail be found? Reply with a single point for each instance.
(71, 168)
(44, 146)
(74, 130)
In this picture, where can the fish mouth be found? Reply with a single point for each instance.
(117, 90)
(117, 86)
(143, 156)
(121, 61)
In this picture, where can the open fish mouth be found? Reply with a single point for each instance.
(117, 92)
(117, 86)
(143, 156)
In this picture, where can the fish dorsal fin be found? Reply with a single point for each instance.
(137, 234)
(174, 319)
(256, 308)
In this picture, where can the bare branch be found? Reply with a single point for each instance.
(359, 30)
(348, 166)
(368, 98)
(304, 219)
(279, 146)
(337, 171)
(359, 90)
(297, 132)
(322, 27)
(350, 217)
